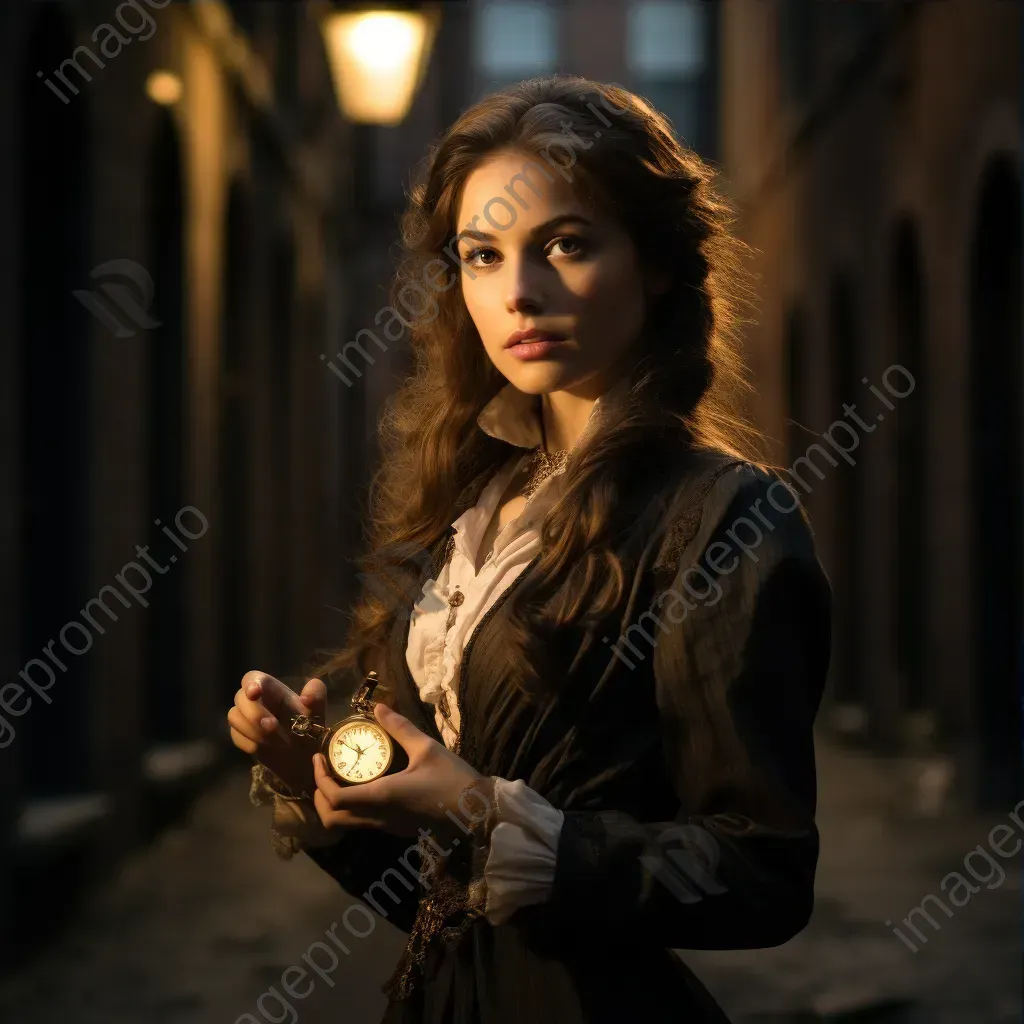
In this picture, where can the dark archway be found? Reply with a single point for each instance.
(910, 621)
(165, 689)
(55, 387)
(847, 384)
(234, 471)
(995, 464)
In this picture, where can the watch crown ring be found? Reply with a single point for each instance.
(305, 725)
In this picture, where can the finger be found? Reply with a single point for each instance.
(330, 818)
(279, 700)
(314, 697)
(413, 740)
(264, 723)
(252, 685)
(368, 799)
(325, 784)
(250, 730)
(361, 799)
(251, 708)
(243, 742)
(270, 703)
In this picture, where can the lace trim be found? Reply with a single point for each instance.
(686, 523)
(262, 793)
(456, 894)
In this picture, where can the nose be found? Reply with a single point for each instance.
(526, 292)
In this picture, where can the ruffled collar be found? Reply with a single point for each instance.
(514, 416)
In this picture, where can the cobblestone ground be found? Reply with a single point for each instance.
(877, 863)
(200, 927)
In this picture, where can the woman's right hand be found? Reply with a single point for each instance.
(259, 726)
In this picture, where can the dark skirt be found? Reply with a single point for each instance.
(500, 975)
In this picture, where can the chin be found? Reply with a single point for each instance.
(540, 377)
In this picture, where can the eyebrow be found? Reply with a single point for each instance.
(564, 218)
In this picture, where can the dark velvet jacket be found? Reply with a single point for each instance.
(681, 755)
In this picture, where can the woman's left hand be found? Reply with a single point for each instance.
(409, 800)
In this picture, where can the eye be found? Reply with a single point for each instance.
(570, 246)
(481, 257)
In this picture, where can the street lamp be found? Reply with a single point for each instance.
(378, 57)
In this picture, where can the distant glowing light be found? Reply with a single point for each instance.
(164, 87)
(377, 60)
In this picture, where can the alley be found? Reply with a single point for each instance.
(231, 299)
(201, 927)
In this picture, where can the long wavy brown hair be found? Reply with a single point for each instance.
(687, 381)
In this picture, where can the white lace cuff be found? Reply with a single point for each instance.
(520, 868)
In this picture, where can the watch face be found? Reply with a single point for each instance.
(360, 751)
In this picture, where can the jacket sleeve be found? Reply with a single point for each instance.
(377, 868)
(741, 655)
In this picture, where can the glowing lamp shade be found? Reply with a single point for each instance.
(164, 87)
(377, 59)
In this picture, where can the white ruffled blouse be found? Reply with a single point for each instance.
(520, 867)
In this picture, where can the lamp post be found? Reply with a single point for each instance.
(378, 55)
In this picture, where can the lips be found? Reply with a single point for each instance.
(520, 337)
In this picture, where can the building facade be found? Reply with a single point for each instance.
(172, 214)
(874, 150)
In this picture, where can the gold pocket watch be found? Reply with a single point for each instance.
(357, 749)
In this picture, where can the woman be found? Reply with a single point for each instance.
(620, 631)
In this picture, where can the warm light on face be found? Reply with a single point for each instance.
(164, 87)
(377, 59)
(549, 261)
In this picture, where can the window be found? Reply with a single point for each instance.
(666, 39)
(668, 44)
(515, 39)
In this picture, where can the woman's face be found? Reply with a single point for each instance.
(537, 259)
